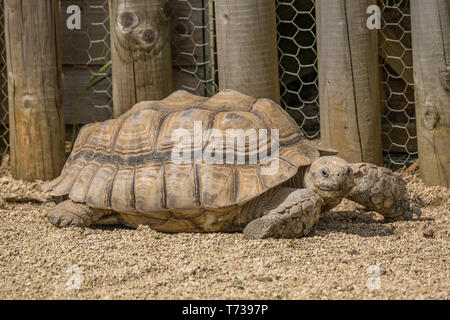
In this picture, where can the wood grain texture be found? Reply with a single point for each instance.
(350, 119)
(186, 33)
(34, 89)
(140, 50)
(96, 107)
(247, 47)
(431, 56)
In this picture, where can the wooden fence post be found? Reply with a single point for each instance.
(34, 89)
(140, 51)
(247, 47)
(350, 119)
(430, 22)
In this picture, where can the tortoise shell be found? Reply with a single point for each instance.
(125, 164)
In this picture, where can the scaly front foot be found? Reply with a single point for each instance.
(296, 215)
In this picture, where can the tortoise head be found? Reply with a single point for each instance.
(330, 177)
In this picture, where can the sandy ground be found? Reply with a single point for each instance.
(351, 254)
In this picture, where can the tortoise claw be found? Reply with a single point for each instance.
(55, 220)
(64, 223)
(419, 201)
(417, 211)
(69, 213)
(409, 215)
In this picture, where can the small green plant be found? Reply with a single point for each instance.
(102, 74)
(156, 237)
(237, 283)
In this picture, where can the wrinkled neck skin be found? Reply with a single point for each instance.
(329, 201)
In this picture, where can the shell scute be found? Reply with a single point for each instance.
(217, 186)
(149, 188)
(99, 192)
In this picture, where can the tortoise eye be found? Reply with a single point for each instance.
(349, 170)
(324, 173)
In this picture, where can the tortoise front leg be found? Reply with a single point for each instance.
(296, 214)
(379, 189)
(69, 213)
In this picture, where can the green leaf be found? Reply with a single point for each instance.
(95, 79)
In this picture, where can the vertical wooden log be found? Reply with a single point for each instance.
(140, 51)
(247, 47)
(350, 119)
(34, 89)
(430, 22)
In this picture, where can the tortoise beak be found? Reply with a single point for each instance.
(329, 186)
(337, 184)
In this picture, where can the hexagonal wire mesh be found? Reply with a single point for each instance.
(397, 84)
(84, 52)
(193, 46)
(194, 57)
(297, 51)
(4, 142)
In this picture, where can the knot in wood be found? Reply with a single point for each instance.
(128, 20)
(431, 117)
(445, 79)
(148, 36)
(28, 101)
(11, 5)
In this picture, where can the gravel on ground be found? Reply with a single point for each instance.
(351, 254)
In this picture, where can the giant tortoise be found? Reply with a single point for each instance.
(135, 170)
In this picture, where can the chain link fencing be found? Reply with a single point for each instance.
(84, 52)
(397, 84)
(297, 52)
(194, 55)
(4, 139)
(194, 59)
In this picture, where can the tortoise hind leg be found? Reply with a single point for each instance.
(296, 214)
(69, 213)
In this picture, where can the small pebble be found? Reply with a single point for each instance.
(429, 233)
